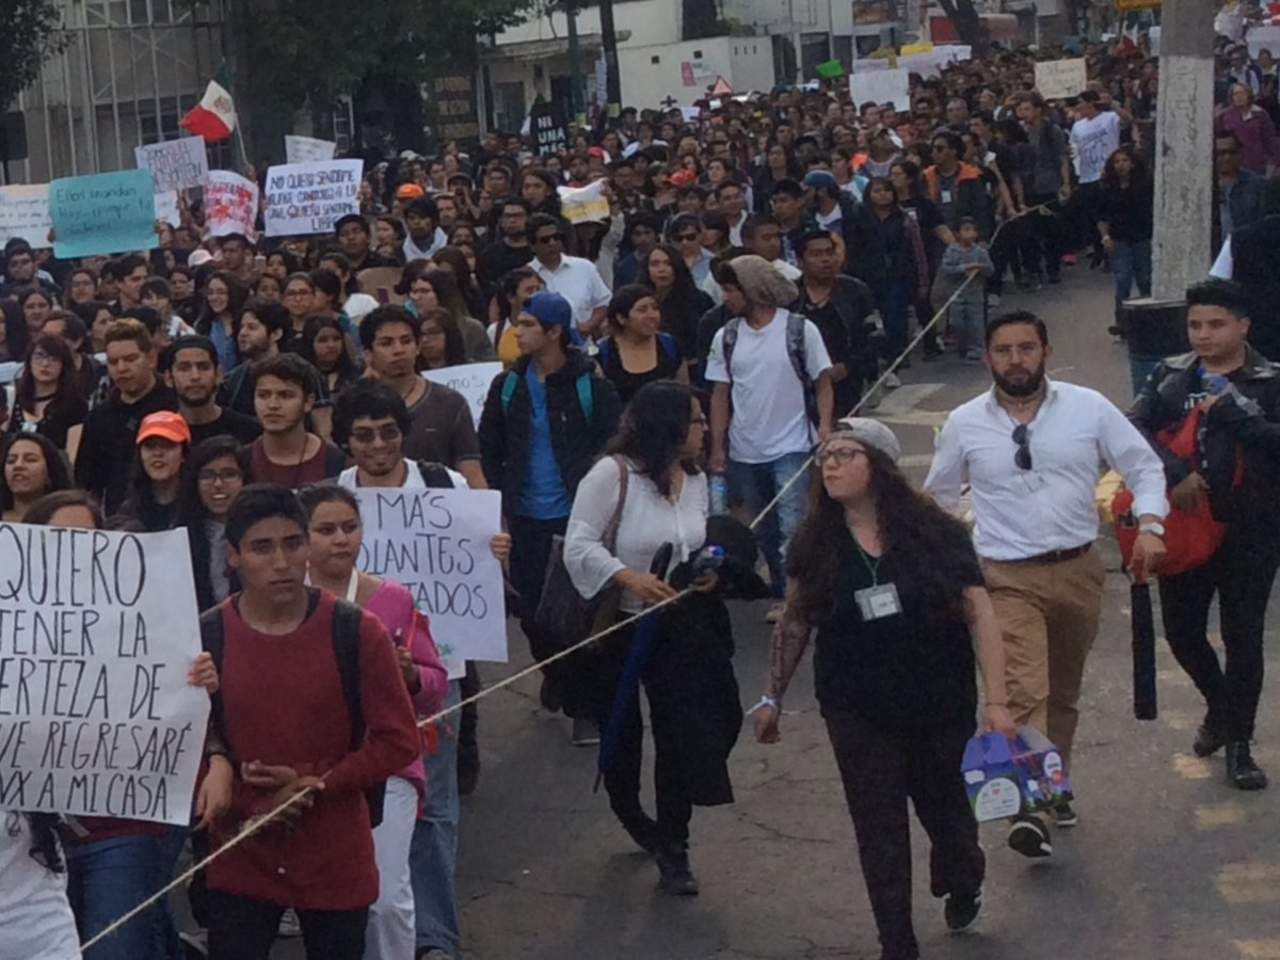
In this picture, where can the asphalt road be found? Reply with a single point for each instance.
(1168, 861)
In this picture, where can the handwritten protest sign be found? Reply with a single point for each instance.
(103, 213)
(584, 204)
(882, 86)
(472, 380)
(231, 203)
(436, 543)
(167, 208)
(1061, 79)
(306, 198)
(174, 164)
(97, 632)
(306, 149)
(24, 212)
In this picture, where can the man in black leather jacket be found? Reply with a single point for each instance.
(1236, 466)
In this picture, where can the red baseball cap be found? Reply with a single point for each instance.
(164, 424)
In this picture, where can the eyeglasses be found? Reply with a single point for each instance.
(841, 456)
(41, 357)
(387, 433)
(687, 237)
(224, 477)
(1022, 437)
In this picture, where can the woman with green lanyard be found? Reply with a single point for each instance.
(893, 587)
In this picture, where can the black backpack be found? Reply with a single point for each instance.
(346, 649)
(435, 475)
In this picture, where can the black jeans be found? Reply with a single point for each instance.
(881, 769)
(622, 779)
(241, 928)
(1042, 237)
(1242, 578)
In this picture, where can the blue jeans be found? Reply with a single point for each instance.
(892, 300)
(433, 854)
(108, 878)
(754, 485)
(1130, 262)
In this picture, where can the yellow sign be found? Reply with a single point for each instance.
(1124, 6)
(922, 47)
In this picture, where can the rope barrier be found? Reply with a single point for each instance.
(256, 824)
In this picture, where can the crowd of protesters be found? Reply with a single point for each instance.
(762, 264)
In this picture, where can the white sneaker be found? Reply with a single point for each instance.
(891, 382)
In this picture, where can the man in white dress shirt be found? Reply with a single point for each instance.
(1031, 448)
(574, 278)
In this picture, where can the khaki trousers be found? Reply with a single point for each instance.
(1048, 613)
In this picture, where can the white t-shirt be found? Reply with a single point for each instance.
(579, 282)
(35, 918)
(1092, 142)
(412, 478)
(769, 418)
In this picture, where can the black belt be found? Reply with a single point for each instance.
(1054, 556)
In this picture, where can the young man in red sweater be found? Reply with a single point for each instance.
(294, 717)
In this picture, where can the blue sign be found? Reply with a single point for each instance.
(103, 213)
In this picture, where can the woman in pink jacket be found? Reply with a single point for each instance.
(336, 534)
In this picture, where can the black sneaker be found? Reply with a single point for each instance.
(1064, 815)
(962, 911)
(1242, 772)
(1211, 736)
(675, 876)
(1028, 836)
(549, 695)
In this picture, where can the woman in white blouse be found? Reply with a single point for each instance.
(687, 672)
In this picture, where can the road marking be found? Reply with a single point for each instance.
(1258, 949)
(1249, 882)
(1218, 815)
(1191, 768)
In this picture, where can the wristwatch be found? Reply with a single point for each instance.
(1155, 528)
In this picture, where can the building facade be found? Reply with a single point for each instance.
(131, 70)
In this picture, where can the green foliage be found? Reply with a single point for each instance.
(30, 32)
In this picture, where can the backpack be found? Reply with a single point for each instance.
(346, 650)
(435, 475)
(795, 352)
(586, 397)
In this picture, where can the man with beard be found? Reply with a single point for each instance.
(192, 370)
(1030, 449)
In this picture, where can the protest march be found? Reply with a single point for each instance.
(336, 473)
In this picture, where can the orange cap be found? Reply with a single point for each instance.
(164, 424)
(409, 191)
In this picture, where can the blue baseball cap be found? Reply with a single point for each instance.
(550, 309)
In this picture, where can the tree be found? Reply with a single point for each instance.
(32, 34)
(964, 16)
(293, 54)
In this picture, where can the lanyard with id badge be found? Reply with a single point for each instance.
(879, 600)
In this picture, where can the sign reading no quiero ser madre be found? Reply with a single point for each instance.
(98, 631)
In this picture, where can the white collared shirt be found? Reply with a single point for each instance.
(1025, 513)
(579, 282)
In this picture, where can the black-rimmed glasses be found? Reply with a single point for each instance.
(1022, 437)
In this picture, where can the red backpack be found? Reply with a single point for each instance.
(1190, 537)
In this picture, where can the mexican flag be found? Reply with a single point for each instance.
(214, 117)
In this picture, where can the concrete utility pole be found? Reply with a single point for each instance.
(612, 78)
(1184, 149)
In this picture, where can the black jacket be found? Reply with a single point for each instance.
(106, 447)
(1247, 418)
(853, 303)
(505, 433)
(1256, 254)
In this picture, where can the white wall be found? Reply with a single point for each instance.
(752, 59)
(649, 22)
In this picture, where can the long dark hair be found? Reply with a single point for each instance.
(455, 350)
(191, 510)
(55, 466)
(683, 289)
(654, 427)
(46, 849)
(66, 391)
(141, 502)
(1137, 178)
(921, 535)
(461, 269)
(237, 294)
(346, 369)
